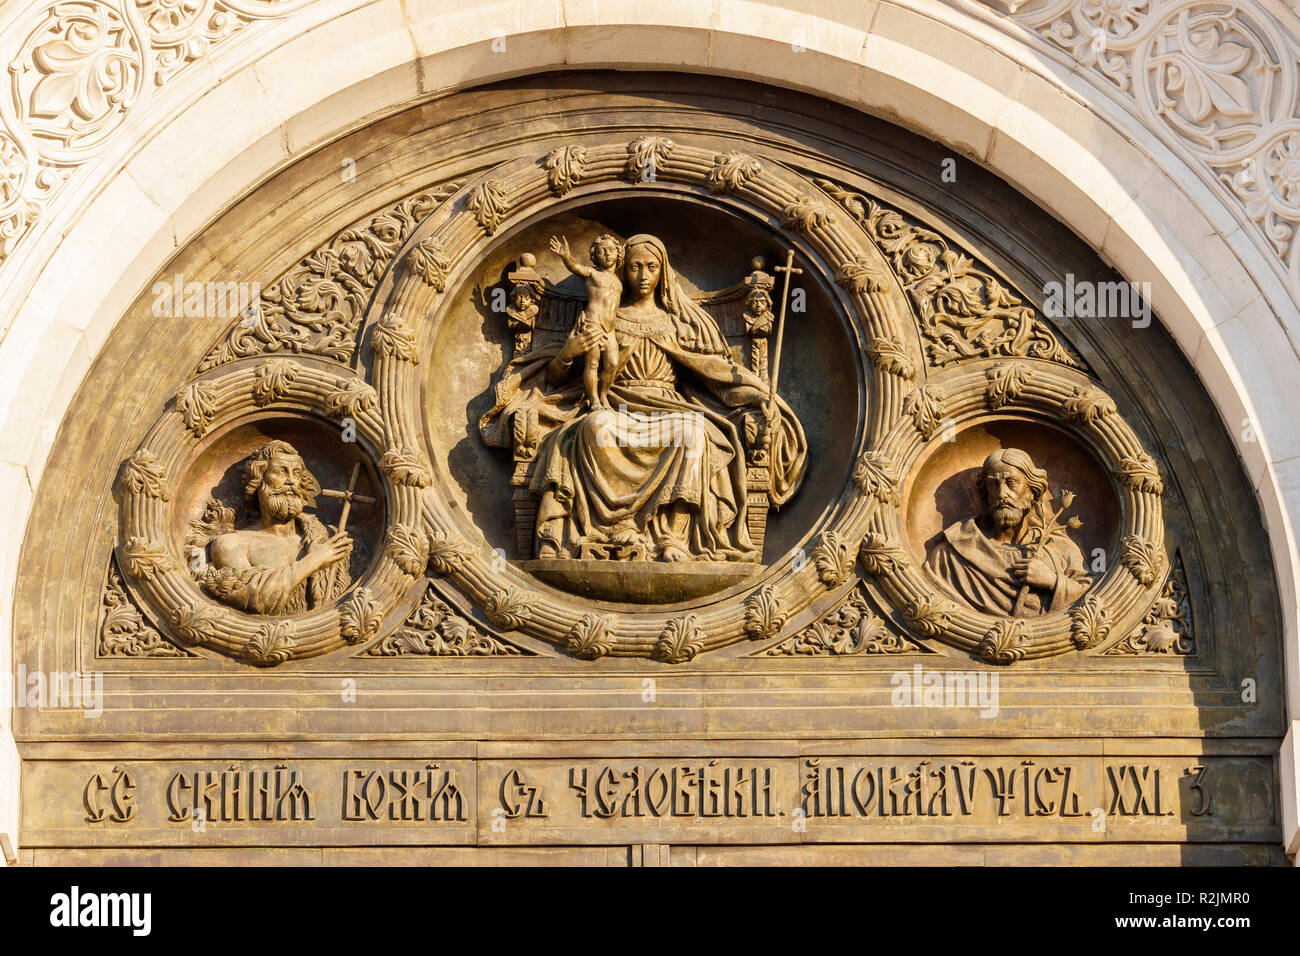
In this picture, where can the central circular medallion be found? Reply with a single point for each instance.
(639, 441)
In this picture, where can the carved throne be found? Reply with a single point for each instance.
(539, 314)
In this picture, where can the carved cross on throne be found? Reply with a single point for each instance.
(744, 314)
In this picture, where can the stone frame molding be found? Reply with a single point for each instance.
(292, 385)
(1066, 399)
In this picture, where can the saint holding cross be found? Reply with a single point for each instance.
(289, 562)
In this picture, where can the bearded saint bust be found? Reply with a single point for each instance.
(285, 563)
(1014, 559)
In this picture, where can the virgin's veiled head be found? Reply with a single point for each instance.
(645, 260)
(647, 272)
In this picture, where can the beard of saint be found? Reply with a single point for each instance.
(279, 505)
(1007, 516)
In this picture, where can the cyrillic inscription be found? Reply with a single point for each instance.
(233, 796)
(429, 794)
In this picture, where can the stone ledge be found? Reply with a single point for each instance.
(641, 582)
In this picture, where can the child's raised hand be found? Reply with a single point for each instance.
(560, 246)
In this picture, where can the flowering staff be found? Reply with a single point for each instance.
(1047, 526)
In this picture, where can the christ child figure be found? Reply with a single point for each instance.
(604, 291)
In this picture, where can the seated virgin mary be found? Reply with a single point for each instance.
(661, 473)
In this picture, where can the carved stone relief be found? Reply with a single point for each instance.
(671, 454)
(288, 561)
(1015, 559)
(1167, 628)
(1213, 79)
(316, 307)
(434, 629)
(78, 67)
(123, 631)
(543, 686)
(645, 437)
(851, 628)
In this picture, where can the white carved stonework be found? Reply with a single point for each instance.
(78, 68)
(1217, 81)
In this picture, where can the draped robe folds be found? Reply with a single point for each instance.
(980, 571)
(663, 441)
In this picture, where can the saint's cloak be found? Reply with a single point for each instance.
(980, 571)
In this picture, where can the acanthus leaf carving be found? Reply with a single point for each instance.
(142, 474)
(1166, 628)
(409, 549)
(1141, 474)
(927, 617)
(427, 260)
(1004, 643)
(271, 380)
(1212, 80)
(880, 554)
(876, 476)
(316, 308)
(181, 33)
(1089, 623)
(489, 204)
(731, 170)
(564, 168)
(77, 74)
(392, 338)
(407, 466)
(145, 559)
(849, 629)
(645, 157)
(859, 275)
(351, 398)
(360, 617)
(806, 214)
(833, 559)
(680, 640)
(433, 629)
(271, 646)
(196, 403)
(965, 311)
(1006, 383)
(763, 616)
(446, 554)
(924, 405)
(508, 608)
(590, 637)
(80, 71)
(1143, 558)
(854, 204)
(1087, 405)
(123, 631)
(195, 624)
(889, 355)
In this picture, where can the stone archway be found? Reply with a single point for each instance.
(71, 272)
